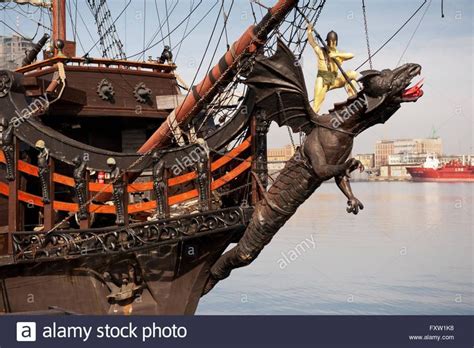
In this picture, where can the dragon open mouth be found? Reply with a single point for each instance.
(411, 94)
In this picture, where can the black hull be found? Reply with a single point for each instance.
(170, 277)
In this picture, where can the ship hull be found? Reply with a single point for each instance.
(161, 276)
(455, 174)
(172, 282)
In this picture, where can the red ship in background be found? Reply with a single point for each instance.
(433, 170)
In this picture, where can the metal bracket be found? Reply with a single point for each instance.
(142, 93)
(105, 90)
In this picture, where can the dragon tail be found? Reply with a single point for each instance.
(295, 183)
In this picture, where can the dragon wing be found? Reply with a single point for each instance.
(280, 90)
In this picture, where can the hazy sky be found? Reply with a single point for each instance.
(443, 46)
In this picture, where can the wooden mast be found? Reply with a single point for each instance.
(59, 21)
(254, 37)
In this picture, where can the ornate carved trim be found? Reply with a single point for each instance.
(34, 246)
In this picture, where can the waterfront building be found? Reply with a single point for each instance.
(277, 157)
(367, 159)
(12, 51)
(406, 149)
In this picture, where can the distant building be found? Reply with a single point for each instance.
(367, 159)
(383, 149)
(405, 149)
(396, 169)
(280, 153)
(406, 159)
(465, 159)
(12, 51)
(394, 172)
(277, 157)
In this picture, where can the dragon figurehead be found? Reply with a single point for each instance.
(393, 85)
(280, 95)
(385, 91)
(381, 96)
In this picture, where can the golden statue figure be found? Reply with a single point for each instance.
(328, 75)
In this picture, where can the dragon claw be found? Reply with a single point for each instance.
(354, 206)
(352, 165)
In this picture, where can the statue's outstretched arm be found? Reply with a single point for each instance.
(313, 42)
(342, 55)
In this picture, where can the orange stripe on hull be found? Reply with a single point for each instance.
(132, 208)
(32, 170)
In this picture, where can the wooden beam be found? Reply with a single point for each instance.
(14, 220)
(48, 210)
(86, 223)
(32, 170)
(208, 187)
(220, 75)
(125, 201)
(253, 132)
(136, 207)
(59, 21)
(167, 174)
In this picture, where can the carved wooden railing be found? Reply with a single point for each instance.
(31, 246)
(97, 62)
(134, 187)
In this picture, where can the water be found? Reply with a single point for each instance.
(410, 251)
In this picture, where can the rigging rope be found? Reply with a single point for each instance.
(226, 17)
(88, 31)
(160, 25)
(113, 36)
(253, 13)
(296, 39)
(213, 106)
(169, 34)
(394, 34)
(144, 27)
(207, 48)
(168, 20)
(75, 31)
(367, 34)
(110, 43)
(290, 133)
(184, 32)
(196, 25)
(218, 81)
(414, 32)
(12, 29)
(29, 18)
(74, 27)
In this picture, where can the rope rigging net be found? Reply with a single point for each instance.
(110, 44)
(292, 32)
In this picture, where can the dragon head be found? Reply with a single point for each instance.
(393, 85)
(385, 91)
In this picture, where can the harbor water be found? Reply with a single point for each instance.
(410, 251)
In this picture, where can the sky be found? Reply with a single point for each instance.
(442, 46)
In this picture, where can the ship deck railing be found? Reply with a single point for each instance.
(98, 63)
